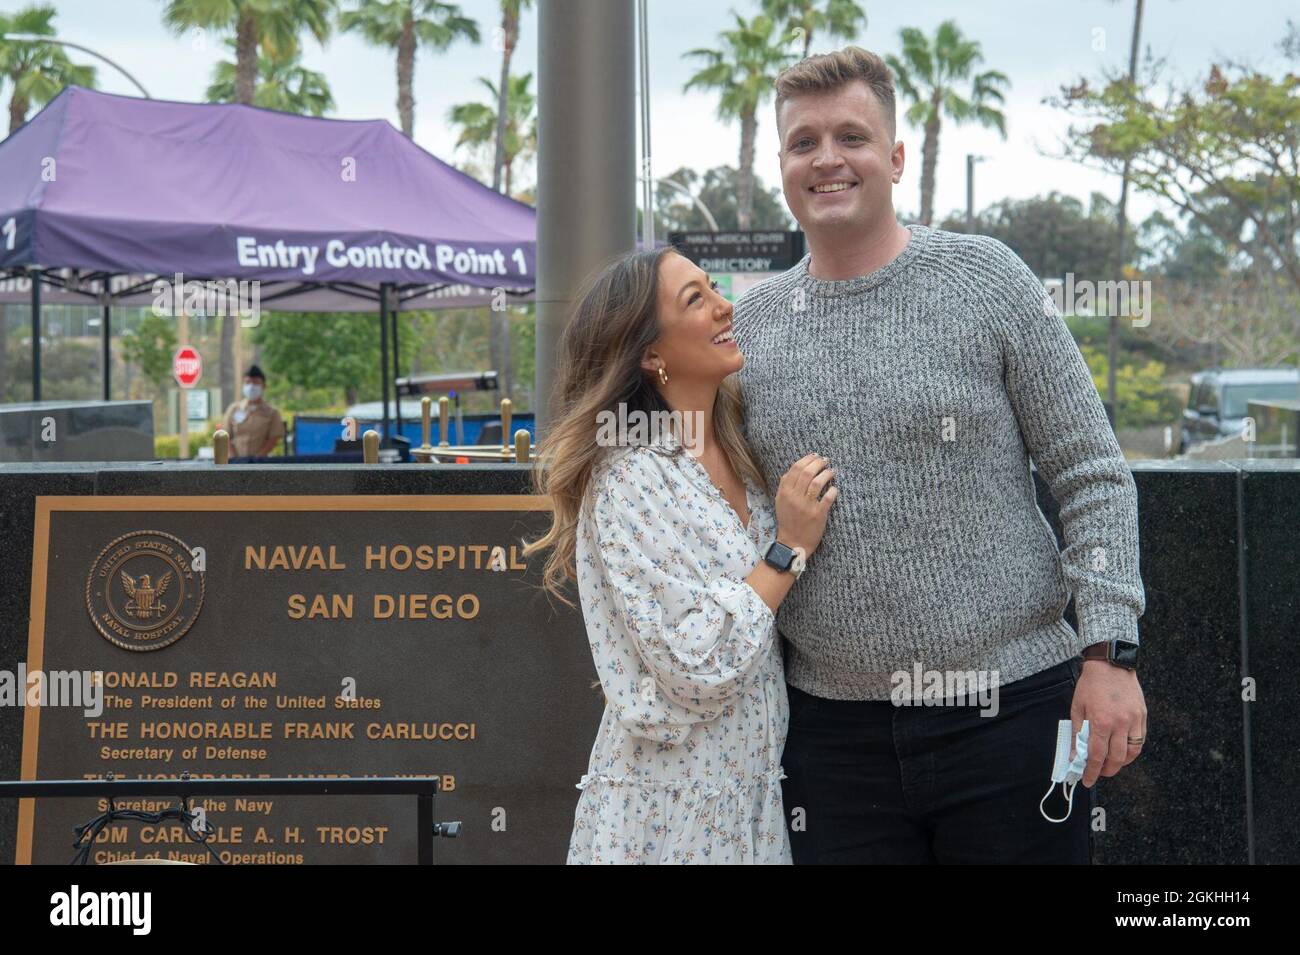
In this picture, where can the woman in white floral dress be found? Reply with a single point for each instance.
(666, 531)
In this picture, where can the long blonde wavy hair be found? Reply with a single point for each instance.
(599, 362)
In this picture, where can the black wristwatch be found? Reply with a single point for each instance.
(1122, 653)
(787, 559)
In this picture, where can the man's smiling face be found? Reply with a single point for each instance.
(839, 161)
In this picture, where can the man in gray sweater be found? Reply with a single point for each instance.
(929, 367)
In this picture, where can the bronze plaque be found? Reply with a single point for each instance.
(292, 636)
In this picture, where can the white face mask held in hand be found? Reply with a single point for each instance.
(1066, 770)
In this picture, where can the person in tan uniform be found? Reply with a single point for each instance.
(255, 428)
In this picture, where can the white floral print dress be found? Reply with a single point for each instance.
(686, 764)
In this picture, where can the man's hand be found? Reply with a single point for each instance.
(1110, 699)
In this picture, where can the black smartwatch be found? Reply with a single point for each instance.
(1122, 653)
(785, 559)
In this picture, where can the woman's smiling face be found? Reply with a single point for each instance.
(695, 341)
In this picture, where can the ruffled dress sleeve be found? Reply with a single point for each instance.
(700, 637)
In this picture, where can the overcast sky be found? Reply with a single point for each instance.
(1039, 44)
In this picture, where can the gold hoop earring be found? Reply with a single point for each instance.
(663, 376)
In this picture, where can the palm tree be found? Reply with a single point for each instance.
(835, 18)
(478, 122)
(510, 11)
(36, 71)
(261, 27)
(283, 83)
(743, 72)
(270, 27)
(928, 74)
(404, 25)
(480, 126)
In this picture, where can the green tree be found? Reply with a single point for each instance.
(69, 370)
(479, 128)
(478, 122)
(332, 352)
(150, 348)
(36, 72)
(1142, 396)
(1054, 234)
(510, 11)
(1191, 254)
(742, 72)
(928, 75)
(1290, 42)
(460, 340)
(404, 26)
(270, 27)
(716, 189)
(1238, 320)
(835, 18)
(283, 83)
(1222, 151)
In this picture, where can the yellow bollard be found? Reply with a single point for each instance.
(424, 453)
(370, 447)
(506, 408)
(444, 421)
(221, 446)
(522, 442)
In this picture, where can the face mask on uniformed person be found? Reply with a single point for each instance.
(252, 391)
(1065, 770)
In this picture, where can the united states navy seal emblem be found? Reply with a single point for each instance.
(143, 592)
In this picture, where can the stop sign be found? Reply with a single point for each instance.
(187, 366)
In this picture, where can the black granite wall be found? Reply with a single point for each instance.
(1220, 560)
(1271, 534)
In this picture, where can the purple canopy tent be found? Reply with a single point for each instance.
(100, 194)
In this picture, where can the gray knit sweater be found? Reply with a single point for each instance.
(928, 384)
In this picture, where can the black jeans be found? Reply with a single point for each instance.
(879, 783)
